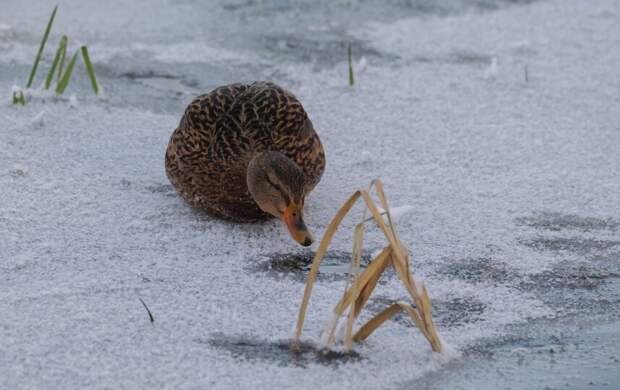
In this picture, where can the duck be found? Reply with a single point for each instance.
(246, 153)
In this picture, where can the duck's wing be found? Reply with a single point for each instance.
(284, 119)
(205, 156)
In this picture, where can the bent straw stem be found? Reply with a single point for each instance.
(363, 284)
(358, 237)
(376, 267)
(316, 262)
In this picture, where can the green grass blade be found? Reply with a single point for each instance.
(18, 98)
(61, 64)
(351, 79)
(151, 318)
(89, 69)
(41, 47)
(66, 77)
(60, 53)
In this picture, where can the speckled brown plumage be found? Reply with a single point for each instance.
(220, 132)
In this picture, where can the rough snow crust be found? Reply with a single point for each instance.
(89, 223)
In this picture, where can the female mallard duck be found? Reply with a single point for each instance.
(245, 153)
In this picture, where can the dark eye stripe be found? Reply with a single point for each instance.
(279, 189)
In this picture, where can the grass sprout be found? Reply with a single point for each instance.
(351, 78)
(89, 69)
(525, 73)
(58, 62)
(151, 318)
(57, 69)
(66, 78)
(18, 98)
(37, 59)
(63, 54)
(356, 294)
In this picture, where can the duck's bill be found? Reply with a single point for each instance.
(294, 220)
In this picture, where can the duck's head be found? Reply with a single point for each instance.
(278, 185)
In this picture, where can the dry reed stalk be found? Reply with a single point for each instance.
(318, 257)
(356, 296)
(374, 270)
(358, 238)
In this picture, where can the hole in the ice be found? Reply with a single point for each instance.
(279, 352)
(335, 264)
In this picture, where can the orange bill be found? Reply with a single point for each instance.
(293, 218)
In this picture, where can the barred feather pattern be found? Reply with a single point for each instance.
(219, 134)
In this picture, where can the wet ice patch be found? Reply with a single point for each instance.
(138, 74)
(470, 57)
(583, 275)
(280, 352)
(176, 53)
(563, 237)
(570, 276)
(165, 189)
(161, 189)
(335, 264)
(447, 313)
(576, 288)
(606, 258)
(458, 311)
(556, 358)
(478, 270)
(556, 221)
(456, 57)
(577, 245)
(354, 10)
(320, 51)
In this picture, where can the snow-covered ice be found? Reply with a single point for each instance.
(513, 187)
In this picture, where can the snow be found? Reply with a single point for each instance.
(89, 222)
(398, 212)
(493, 69)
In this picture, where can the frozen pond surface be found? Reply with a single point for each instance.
(515, 186)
